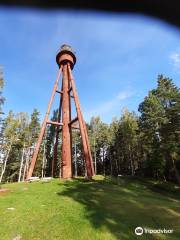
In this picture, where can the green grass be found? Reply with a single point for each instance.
(81, 210)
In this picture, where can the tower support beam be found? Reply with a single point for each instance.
(66, 60)
(83, 130)
(43, 128)
(66, 168)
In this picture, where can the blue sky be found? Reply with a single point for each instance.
(118, 58)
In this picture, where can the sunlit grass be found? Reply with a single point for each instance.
(100, 209)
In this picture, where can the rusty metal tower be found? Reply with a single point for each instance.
(66, 60)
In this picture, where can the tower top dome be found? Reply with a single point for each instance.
(66, 54)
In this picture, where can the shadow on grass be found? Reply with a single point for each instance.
(166, 189)
(120, 207)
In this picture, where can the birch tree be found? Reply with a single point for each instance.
(10, 136)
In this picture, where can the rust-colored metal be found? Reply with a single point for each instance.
(83, 130)
(89, 150)
(66, 168)
(34, 158)
(69, 96)
(66, 55)
(54, 123)
(66, 60)
(70, 89)
(61, 92)
(74, 120)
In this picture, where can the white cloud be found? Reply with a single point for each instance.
(108, 106)
(175, 60)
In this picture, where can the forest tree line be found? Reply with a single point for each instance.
(146, 144)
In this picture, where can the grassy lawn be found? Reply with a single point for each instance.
(81, 210)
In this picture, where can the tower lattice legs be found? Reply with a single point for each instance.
(66, 61)
(83, 130)
(43, 128)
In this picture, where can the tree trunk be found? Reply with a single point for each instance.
(43, 162)
(111, 165)
(104, 170)
(117, 169)
(21, 165)
(5, 163)
(95, 163)
(131, 161)
(75, 159)
(26, 164)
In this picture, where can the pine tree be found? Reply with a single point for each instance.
(10, 149)
(160, 126)
(34, 130)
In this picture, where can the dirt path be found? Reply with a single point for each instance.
(4, 191)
